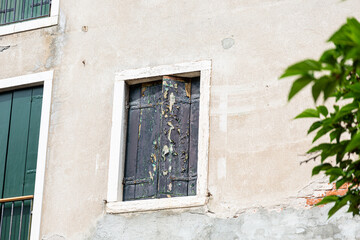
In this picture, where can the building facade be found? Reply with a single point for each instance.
(161, 119)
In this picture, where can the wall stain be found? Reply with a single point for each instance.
(4, 48)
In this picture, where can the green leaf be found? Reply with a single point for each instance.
(340, 37)
(347, 109)
(336, 134)
(322, 132)
(341, 182)
(315, 126)
(320, 147)
(319, 86)
(308, 113)
(355, 87)
(354, 143)
(329, 56)
(321, 167)
(339, 204)
(323, 110)
(354, 27)
(330, 88)
(335, 171)
(299, 84)
(353, 53)
(328, 199)
(302, 67)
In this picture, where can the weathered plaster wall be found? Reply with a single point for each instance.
(254, 146)
(259, 225)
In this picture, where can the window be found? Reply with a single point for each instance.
(160, 134)
(20, 112)
(22, 15)
(24, 119)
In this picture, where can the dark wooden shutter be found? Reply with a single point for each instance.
(194, 135)
(20, 113)
(161, 151)
(20, 10)
(143, 141)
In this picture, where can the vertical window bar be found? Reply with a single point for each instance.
(41, 7)
(2, 215)
(11, 219)
(6, 6)
(30, 213)
(32, 9)
(14, 11)
(21, 217)
(23, 10)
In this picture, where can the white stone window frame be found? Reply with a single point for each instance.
(123, 79)
(37, 79)
(33, 23)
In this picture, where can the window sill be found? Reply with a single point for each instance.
(28, 25)
(155, 204)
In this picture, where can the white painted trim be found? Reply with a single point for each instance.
(34, 23)
(128, 75)
(155, 204)
(44, 78)
(118, 135)
(118, 138)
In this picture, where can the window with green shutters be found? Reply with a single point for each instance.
(12, 11)
(162, 139)
(20, 113)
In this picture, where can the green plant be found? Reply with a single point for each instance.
(335, 75)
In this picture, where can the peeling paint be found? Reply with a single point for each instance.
(165, 151)
(188, 89)
(171, 128)
(172, 101)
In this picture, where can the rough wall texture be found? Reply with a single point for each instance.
(262, 224)
(255, 148)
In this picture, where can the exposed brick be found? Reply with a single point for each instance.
(339, 192)
(317, 197)
(312, 201)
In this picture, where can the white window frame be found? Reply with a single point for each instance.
(38, 79)
(33, 23)
(115, 203)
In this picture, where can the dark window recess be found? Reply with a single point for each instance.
(12, 11)
(162, 139)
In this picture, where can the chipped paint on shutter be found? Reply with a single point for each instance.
(148, 151)
(175, 117)
(161, 153)
(142, 146)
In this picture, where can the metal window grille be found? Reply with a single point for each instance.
(13, 11)
(15, 217)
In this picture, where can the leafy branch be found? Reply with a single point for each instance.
(336, 75)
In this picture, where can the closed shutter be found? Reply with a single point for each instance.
(158, 160)
(21, 10)
(20, 112)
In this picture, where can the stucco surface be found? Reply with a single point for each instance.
(262, 224)
(255, 147)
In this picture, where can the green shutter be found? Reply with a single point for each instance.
(21, 10)
(19, 131)
(5, 110)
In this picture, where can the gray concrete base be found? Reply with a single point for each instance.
(262, 224)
